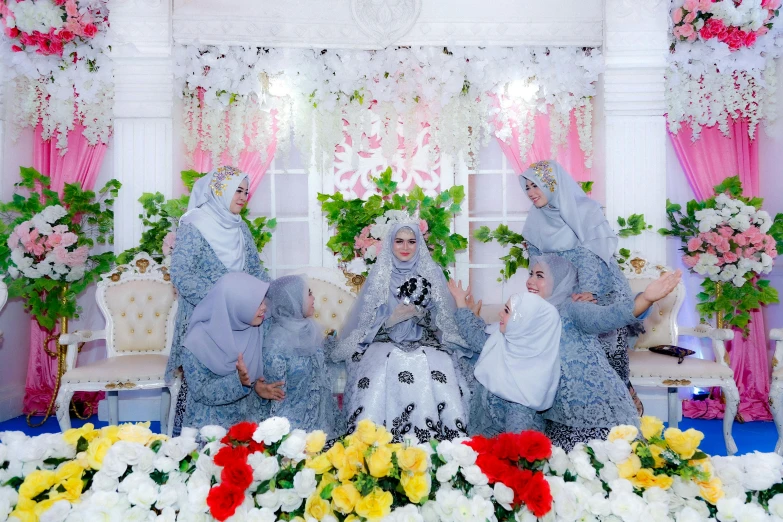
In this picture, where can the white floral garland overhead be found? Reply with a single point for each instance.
(60, 88)
(708, 84)
(312, 93)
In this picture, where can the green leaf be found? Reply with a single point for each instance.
(326, 493)
(587, 186)
(82, 445)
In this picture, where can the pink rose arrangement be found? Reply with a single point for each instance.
(44, 248)
(47, 26)
(734, 22)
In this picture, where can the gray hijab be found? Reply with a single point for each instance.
(561, 274)
(220, 329)
(290, 331)
(569, 219)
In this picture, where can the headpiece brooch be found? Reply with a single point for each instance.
(544, 171)
(221, 177)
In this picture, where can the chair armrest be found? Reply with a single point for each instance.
(719, 337)
(72, 340)
(776, 334)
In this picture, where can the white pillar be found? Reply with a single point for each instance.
(143, 100)
(636, 44)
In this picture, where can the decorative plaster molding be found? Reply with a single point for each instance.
(385, 21)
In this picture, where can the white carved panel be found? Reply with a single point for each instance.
(141, 27)
(385, 21)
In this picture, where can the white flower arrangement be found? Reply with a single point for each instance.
(227, 87)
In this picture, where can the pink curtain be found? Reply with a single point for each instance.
(79, 165)
(570, 156)
(706, 162)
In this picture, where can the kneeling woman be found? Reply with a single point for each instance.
(402, 359)
(294, 354)
(518, 370)
(591, 398)
(223, 360)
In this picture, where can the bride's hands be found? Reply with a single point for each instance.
(272, 391)
(402, 313)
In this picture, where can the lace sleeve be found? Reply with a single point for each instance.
(191, 273)
(595, 320)
(254, 265)
(471, 328)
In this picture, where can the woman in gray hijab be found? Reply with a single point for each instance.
(405, 361)
(294, 354)
(591, 398)
(566, 222)
(222, 355)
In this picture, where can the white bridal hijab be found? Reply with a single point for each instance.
(209, 211)
(523, 365)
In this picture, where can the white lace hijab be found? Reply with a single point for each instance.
(371, 306)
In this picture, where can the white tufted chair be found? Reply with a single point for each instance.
(139, 304)
(776, 386)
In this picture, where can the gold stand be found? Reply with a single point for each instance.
(60, 354)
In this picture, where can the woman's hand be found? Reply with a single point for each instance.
(459, 294)
(402, 313)
(273, 391)
(474, 307)
(584, 297)
(656, 291)
(244, 375)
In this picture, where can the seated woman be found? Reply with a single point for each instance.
(518, 370)
(591, 398)
(222, 356)
(402, 359)
(294, 354)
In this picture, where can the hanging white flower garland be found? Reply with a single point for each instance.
(314, 92)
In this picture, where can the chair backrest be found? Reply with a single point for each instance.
(139, 304)
(334, 295)
(3, 294)
(660, 324)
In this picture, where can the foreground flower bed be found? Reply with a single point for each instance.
(268, 472)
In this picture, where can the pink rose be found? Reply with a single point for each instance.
(90, 30)
(686, 31)
(741, 239)
(735, 39)
(690, 261)
(689, 18)
(168, 243)
(56, 47)
(723, 246)
(750, 39)
(694, 244)
(54, 239)
(16, 49)
(726, 232)
(69, 238)
(704, 5)
(423, 226)
(772, 5)
(711, 250)
(12, 32)
(762, 31)
(730, 257)
(677, 15)
(59, 2)
(74, 27)
(71, 9)
(691, 5)
(66, 35)
(27, 39)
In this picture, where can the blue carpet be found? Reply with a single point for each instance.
(750, 437)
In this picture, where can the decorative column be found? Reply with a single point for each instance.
(636, 43)
(143, 100)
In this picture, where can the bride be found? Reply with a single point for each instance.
(403, 360)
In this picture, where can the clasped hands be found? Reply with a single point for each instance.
(403, 312)
(272, 391)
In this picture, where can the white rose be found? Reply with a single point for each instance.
(407, 513)
(621, 486)
(565, 505)
(728, 508)
(599, 505)
(198, 485)
(581, 464)
(164, 464)
(57, 512)
(599, 450)
(444, 450)
(463, 455)
(270, 500)
(213, 433)
(558, 462)
(105, 499)
(481, 509)
(618, 451)
(8, 498)
(609, 472)
(699, 506)
(658, 512)
(429, 512)
(179, 448)
(447, 471)
(167, 515)
(167, 497)
(474, 475)
(144, 494)
(260, 515)
(446, 501)
(762, 470)
(290, 500)
(524, 515)
(264, 467)
(481, 491)
(504, 495)
(627, 506)
(305, 483)
(655, 494)
(685, 488)
(293, 446)
(190, 514)
(188, 433)
(272, 430)
(102, 481)
(137, 514)
(688, 514)
(751, 513)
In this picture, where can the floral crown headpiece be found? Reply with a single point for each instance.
(391, 218)
(221, 177)
(544, 171)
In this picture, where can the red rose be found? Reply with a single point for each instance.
(534, 446)
(90, 30)
(12, 32)
(538, 497)
(66, 36)
(238, 474)
(494, 468)
(56, 47)
(750, 39)
(230, 454)
(480, 444)
(506, 446)
(254, 446)
(223, 500)
(28, 39)
(242, 432)
(16, 49)
(518, 480)
(59, 2)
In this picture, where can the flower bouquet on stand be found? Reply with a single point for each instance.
(46, 250)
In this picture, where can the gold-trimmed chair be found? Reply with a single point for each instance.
(776, 386)
(139, 304)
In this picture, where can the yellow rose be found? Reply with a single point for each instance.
(352, 518)
(684, 443)
(664, 481)
(336, 455)
(24, 515)
(139, 432)
(42, 507)
(345, 497)
(627, 433)
(644, 479)
(326, 479)
(320, 464)
(630, 467)
(379, 462)
(656, 455)
(315, 442)
(414, 460)
(97, 451)
(72, 436)
(704, 464)
(375, 506)
(73, 489)
(365, 431)
(651, 427)
(68, 470)
(712, 490)
(416, 486)
(111, 432)
(25, 504)
(36, 483)
(317, 507)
